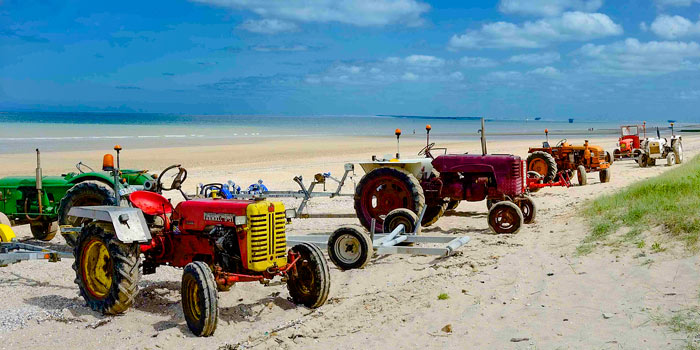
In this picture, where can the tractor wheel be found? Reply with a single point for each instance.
(609, 158)
(643, 160)
(106, 270)
(581, 174)
(490, 203)
(452, 205)
(433, 213)
(6, 233)
(82, 194)
(505, 217)
(383, 190)
(200, 300)
(651, 161)
(43, 230)
(617, 154)
(349, 247)
(678, 150)
(309, 282)
(543, 163)
(670, 159)
(400, 216)
(4, 220)
(604, 175)
(537, 176)
(527, 206)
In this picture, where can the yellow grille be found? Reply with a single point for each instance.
(654, 148)
(267, 242)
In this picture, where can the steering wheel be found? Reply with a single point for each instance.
(80, 165)
(177, 181)
(426, 150)
(561, 142)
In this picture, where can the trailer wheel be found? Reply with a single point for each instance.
(106, 270)
(4, 220)
(678, 150)
(527, 206)
(88, 193)
(542, 163)
(453, 204)
(399, 216)
(383, 190)
(349, 247)
(670, 159)
(582, 176)
(432, 214)
(6, 233)
(604, 175)
(310, 280)
(200, 300)
(43, 230)
(505, 217)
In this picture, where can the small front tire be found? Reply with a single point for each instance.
(43, 230)
(604, 175)
(310, 280)
(582, 176)
(349, 247)
(505, 217)
(200, 299)
(527, 206)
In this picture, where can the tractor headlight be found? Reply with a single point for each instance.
(240, 220)
(290, 213)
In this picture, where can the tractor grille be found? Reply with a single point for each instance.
(654, 148)
(515, 183)
(267, 242)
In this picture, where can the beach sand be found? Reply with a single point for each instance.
(524, 291)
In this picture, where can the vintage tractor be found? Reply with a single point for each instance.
(548, 162)
(440, 182)
(629, 141)
(652, 149)
(40, 200)
(218, 242)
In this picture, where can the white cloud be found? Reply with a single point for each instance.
(536, 58)
(547, 71)
(681, 3)
(282, 48)
(425, 61)
(674, 27)
(547, 7)
(632, 57)
(477, 62)
(268, 26)
(504, 75)
(409, 76)
(570, 26)
(356, 12)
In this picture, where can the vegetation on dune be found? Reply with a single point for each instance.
(670, 200)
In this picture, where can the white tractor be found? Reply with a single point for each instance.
(658, 147)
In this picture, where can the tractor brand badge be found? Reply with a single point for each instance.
(221, 217)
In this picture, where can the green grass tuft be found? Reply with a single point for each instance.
(443, 296)
(671, 200)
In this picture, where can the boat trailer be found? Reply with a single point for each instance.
(13, 251)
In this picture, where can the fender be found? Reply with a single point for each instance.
(105, 178)
(129, 223)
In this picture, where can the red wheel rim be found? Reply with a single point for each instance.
(382, 195)
(504, 219)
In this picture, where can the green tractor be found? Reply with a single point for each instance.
(43, 202)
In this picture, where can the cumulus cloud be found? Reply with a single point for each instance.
(355, 12)
(632, 57)
(268, 26)
(477, 62)
(570, 26)
(674, 27)
(547, 7)
(536, 58)
(424, 61)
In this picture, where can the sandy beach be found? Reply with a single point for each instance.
(525, 291)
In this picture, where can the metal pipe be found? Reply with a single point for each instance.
(399, 229)
(483, 138)
(116, 177)
(39, 181)
(395, 241)
(456, 244)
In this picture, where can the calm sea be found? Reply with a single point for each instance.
(22, 132)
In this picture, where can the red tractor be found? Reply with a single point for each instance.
(629, 141)
(439, 182)
(218, 242)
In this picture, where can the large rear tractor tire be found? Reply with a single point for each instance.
(542, 163)
(43, 230)
(527, 206)
(505, 217)
(452, 205)
(678, 150)
(383, 190)
(200, 299)
(310, 280)
(349, 247)
(582, 176)
(83, 194)
(107, 270)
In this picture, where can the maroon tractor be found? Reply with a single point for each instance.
(440, 182)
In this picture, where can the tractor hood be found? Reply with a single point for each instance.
(196, 215)
(30, 181)
(475, 162)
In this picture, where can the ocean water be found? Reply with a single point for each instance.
(22, 132)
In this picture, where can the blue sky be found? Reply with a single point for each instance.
(510, 58)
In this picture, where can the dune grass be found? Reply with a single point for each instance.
(670, 200)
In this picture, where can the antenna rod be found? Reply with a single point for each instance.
(483, 138)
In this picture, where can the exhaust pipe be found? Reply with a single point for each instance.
(39, 183)
(483, 138)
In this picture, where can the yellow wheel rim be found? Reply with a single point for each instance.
(539, 166)
(193, 296)
(96, 266)
(6, 233)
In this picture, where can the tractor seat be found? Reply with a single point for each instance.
(153, 204)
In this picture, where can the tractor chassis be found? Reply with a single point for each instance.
(563, 180)
(228, 279)
(14, 252)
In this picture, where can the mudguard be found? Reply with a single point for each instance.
(129, 223)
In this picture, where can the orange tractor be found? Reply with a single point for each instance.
(553, 166)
